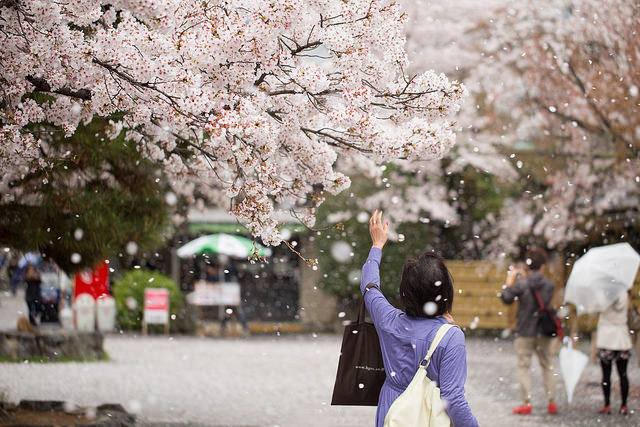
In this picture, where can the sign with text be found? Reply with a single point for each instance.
(156, 306)
(215, 293)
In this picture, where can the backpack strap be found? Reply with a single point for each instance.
(539, 298)
(434, 344)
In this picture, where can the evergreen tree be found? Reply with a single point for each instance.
(100, 195)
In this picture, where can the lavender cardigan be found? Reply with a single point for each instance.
(405, 341)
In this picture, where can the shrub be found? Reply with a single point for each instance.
(129, 295)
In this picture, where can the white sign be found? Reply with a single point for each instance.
(84, 308)
(156, 306)
(50, 280)
(49, 288)
(215, 293)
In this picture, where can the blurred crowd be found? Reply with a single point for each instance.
(44, 285)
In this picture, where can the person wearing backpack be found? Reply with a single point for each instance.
(522, 285)
(426, 291)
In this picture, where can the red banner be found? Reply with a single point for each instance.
(94, 283)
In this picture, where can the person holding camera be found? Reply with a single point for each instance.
(521, 284)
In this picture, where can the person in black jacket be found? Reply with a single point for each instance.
(13, 270)
(521, 284)
(32, 293)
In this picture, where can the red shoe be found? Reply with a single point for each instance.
(605, 410)
(552, 408)
(624, 410)
(522, 410)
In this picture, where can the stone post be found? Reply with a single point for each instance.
(317, 308)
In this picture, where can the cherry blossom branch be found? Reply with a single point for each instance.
(202, 98)
(566, 118)
(592, 104)
(299, 48)
(334, 140)
(41, 85)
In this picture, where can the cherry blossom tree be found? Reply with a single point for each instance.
(249, 103)
(553, 114)
(570, 88)
(437, 193)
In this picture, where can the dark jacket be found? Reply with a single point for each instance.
(527, 320)
(32, 292)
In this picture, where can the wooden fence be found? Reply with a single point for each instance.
(477, 285)
(476, 303)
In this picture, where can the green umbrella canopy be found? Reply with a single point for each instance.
(223, 244)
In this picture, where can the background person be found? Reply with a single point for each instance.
(226, 272)
(32, 292)
(426, 291)
(521, 284)
(614, 345)
(4, 261)
(15, 274)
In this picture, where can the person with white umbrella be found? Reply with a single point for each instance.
(600, 276)
(599, 282)
(614, 345)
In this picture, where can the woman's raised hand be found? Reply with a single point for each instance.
(379, 233)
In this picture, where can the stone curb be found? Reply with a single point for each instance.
(107, 415)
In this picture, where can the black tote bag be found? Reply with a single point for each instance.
(360, 368)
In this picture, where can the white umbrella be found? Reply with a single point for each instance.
(600, 276)
(224, 244)
(572, 363)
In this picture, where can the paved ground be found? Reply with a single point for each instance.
(274, 381)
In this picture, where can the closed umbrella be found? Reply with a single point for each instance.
(600, 276)
(223, 244)
(572, 363)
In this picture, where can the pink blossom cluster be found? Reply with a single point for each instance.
(528, 115)
(247, 103)
(569, 86)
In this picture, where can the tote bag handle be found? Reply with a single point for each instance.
(434, 344)
(361, 315)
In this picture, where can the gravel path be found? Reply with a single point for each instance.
(278, 381)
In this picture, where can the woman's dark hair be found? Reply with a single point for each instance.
(425, 279)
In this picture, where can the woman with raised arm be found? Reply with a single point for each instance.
(426, 292)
